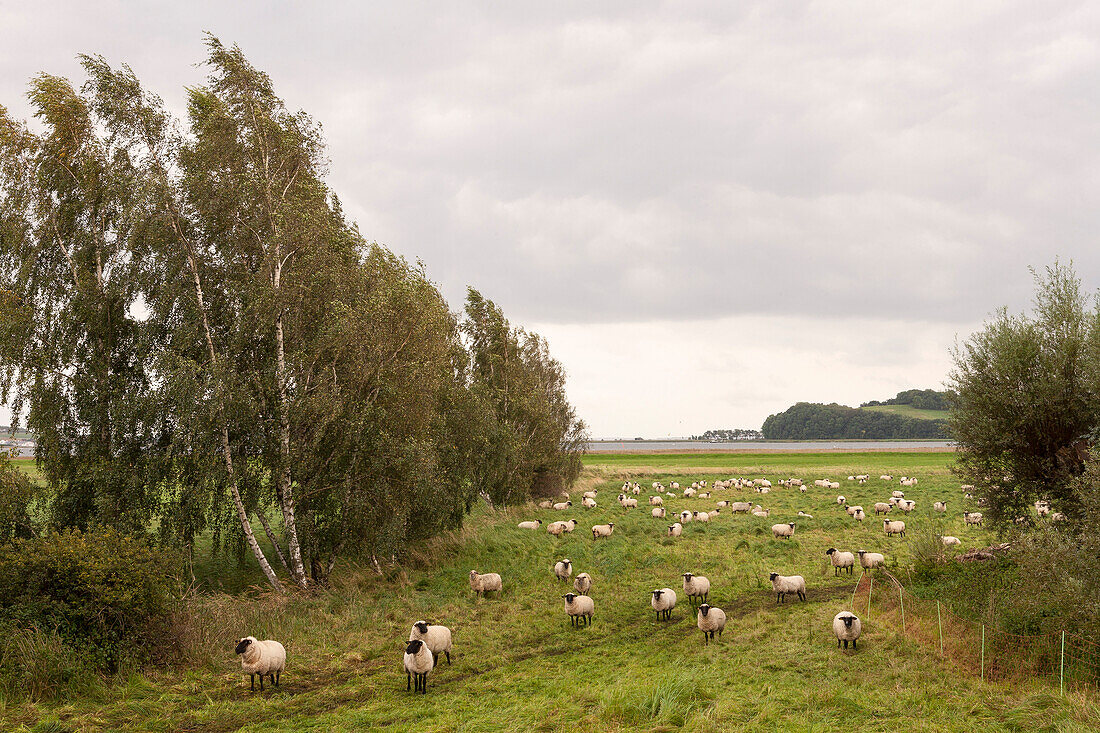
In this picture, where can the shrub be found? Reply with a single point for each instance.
(18, 495)
(101, 593)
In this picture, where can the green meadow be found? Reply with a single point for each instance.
(519, 665)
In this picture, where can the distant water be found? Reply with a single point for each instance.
(750, 446)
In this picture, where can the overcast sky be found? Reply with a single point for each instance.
(711, 209)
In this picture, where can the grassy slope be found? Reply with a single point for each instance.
(519, 665)
(910, 411)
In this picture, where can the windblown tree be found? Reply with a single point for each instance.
(256, 361)
(533, 438)
(1028, 399)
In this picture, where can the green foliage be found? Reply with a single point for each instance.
(19, 500)
(101, 592)
(920, 399)
(1028, 400)
(809, 421)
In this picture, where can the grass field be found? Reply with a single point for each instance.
(910, 411)
(518, 665)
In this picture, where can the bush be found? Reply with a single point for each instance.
(102, 594)
(18, 495)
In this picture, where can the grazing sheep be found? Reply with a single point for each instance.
(907, 505)
(847, 627)
(713, 513)
(656, 501)
(530, 525)
(675, 530)
(418, 662)
(658, 512)
(628, 502)
(948, 540)
(840, 500)
(802, 489)
(886, 477)
(485, 583)
(795, 482)
(602, 530)
(898, 495)
(741, 507)
(589, 495)
(852, 508)
(582, 583)
(841, 560)
(940, 506)
(804, 514)
(663, 601)
(261, 658)
(588, 503)
(635, 489)
(696, 587)
(688, 493)
(870, 560)
(784, 584)
(709, 621)
(438, 639)
(858, 515)
(686, 516)
(546, 504)
(833, 485)
(570, 524)
(893, 527)
(973, 518)
(556, 528)
(563, 569)
(786, 531)
(721, 504)
(760, 512)
(563, 505)
(700, 517)
(579, 608)
(674, 485)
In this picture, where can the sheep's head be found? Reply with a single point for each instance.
(773, 576)
(848, 620)
(704, 609)
(570, 597)
(688, 576)
(243, 644)
(791, 525)
(413, 647)
(421, 626)
(830, 551)
(657, 594)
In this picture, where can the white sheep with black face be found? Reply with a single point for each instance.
(418, 662)
(847, 627)
(579, 608)
(710, 621)
(663, 601)
(784, 584)
(482, 583)
(261, 658)
(841, 560)
(696, 587)
(438, 639)
(563, 569)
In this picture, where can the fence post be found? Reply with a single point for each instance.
(870, 587)
(939, 622)
(1062, 667)
(983, 652)
(853, 606)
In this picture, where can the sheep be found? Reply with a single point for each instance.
(437, 638)
(763, 490)
(688, 493)
(1043, 511)
(840, 500)
(485, 583)
(709, 621)
(870, 560)
(685, 516)
(759, 511)
(804, 514)
(556, 528)
(562, 505)
(695, 484)
(635, 489)
(833, 485)
(858, 515)
(785, 531)
(570, 524)
(795, 482)
(696, 587)
(674, 485)
(895, 527)
(940, 506)
(700, 517)
(898, 495)
(589, 495)
(713, 513)
(546, 504)
(563, 569)
(907, 505)
(675, 530)
(765, 483)
(784, 584)
(721, 504)
(663, 601)
(602, 530)
(882, 507)
(656, 501)
(847, 627)
(852, 509)
(418, 662)
(802, 489)
(851, 478)
(973, 518)
(588, 503)
(741, 507)
(1057, 517)
(579, 608)
(841, 560)
(261, 658)
(948, 540)
(821, 483)
(658, 512)
(627, 502)
(530, 525)
(886, 477)
(582, 583)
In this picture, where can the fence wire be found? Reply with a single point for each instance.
(1066, 659)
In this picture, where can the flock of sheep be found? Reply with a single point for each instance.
(427, 642)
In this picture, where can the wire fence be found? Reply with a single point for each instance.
(1063, 658)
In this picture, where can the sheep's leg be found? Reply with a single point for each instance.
(252, 682)
(278, 677)
(853, 643)
(261, 682)
(838, 642)
(448, 656)
(801, 596)
(408, 680)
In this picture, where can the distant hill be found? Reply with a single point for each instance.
(913, 414)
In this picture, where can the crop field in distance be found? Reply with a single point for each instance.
(519, 665)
